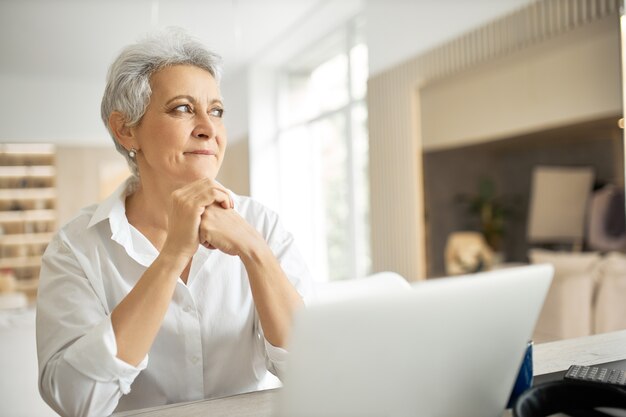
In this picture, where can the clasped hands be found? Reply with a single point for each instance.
(202, 212)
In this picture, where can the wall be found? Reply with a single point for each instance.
(236, 92)
(397, 30)
(397, 231)
(79, 176)
(235, 170)
(545, 85)
(51, 109)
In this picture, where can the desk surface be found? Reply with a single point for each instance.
(548, 357)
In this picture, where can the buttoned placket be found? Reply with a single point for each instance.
(192, 334)
(190, 319)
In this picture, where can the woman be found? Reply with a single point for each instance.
(173, 286)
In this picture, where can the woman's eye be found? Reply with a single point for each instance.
(183, 108)
(217, 112)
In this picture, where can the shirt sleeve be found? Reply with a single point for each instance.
(276, 358)
(79, 373)
(283, 246)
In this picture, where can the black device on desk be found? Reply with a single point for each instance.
(597, 375)
(588, 391)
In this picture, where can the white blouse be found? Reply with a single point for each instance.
(210, 343)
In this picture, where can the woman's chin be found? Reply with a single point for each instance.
(181, 179)
(199, 175)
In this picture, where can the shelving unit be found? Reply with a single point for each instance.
(28, 214)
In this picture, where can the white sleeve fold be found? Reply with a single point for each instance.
(276, 358)
(95, 356)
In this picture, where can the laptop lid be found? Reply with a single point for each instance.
(449, 347)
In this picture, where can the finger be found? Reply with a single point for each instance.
(205, 198)
(228, 202)
(217, 186)
(225, 204)
(209, 183)
(223, 198)
(216, 193)
(204, 229)
(206, 189)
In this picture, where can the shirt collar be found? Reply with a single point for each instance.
(113, 208)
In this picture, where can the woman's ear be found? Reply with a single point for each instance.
(122, 132)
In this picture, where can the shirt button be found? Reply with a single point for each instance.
(187, 309)
(194, 359)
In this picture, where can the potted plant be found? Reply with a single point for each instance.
(489, 212)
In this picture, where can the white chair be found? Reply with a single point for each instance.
(18, 364)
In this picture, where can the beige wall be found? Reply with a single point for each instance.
(235, 171)
(397, 232)
(84, 175)
(565, 80)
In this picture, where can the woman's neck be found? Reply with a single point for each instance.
(146, 210)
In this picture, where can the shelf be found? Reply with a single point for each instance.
(27, 209)
(27, 149)
(21, 171)
(27, 285)
(27, 194)
(21, 262)
(27, 216)
(26, 239)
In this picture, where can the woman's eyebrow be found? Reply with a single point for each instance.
(191, 99)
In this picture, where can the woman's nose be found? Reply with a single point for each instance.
(204, 129)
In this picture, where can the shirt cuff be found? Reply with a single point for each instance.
(277, 357)
(95, 356)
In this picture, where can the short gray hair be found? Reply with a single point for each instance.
(128, 81)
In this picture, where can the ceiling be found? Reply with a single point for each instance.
(78, 39)
(58, 37)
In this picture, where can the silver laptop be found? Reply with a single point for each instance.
(448, 347)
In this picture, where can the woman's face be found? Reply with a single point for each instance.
(181, 137)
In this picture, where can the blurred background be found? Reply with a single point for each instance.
(425, 137)
(295, 84)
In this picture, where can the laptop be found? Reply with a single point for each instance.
(448, 347)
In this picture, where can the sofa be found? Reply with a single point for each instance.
(587, 295)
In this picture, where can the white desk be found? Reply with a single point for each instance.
(548, 358)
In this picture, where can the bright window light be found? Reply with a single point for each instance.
(323, 154)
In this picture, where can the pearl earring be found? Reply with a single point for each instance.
(132, 153)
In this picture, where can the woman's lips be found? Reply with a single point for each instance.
(202, 152)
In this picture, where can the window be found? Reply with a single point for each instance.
(323, 154)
